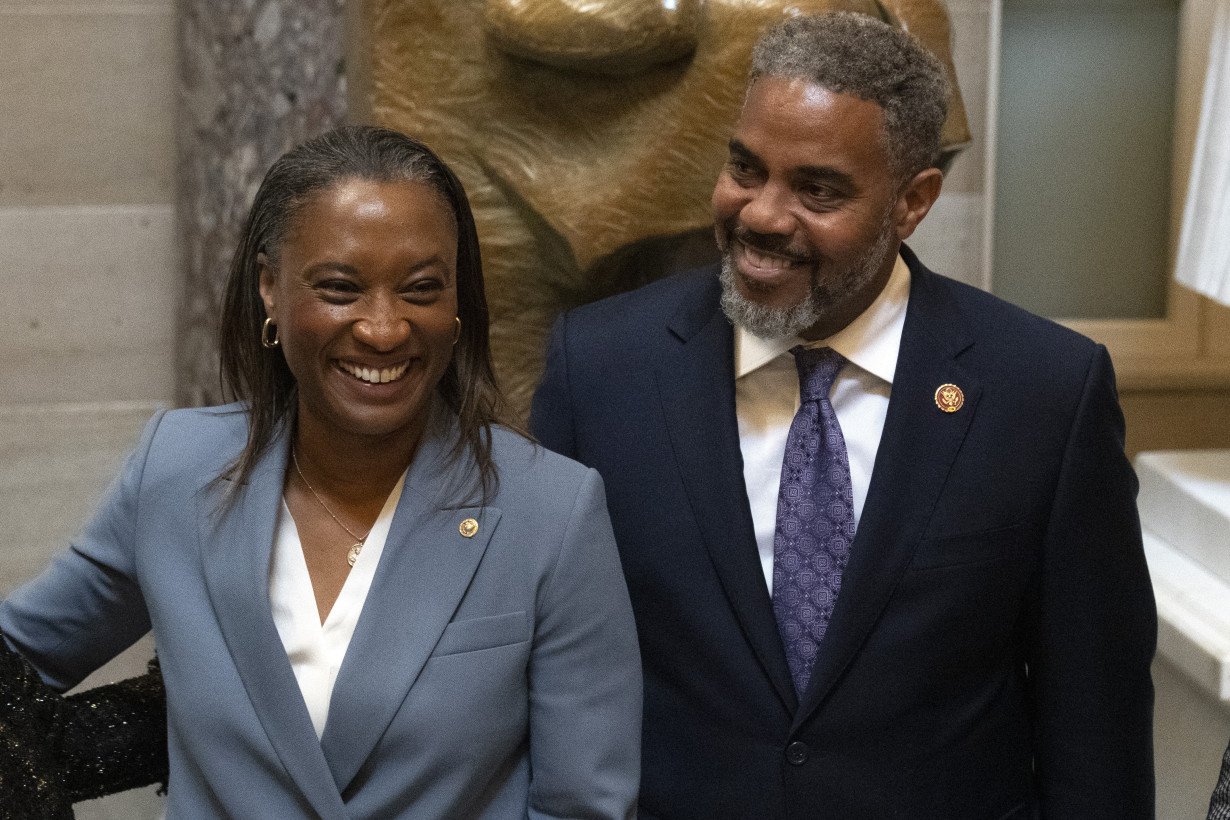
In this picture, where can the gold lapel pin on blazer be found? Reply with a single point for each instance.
(468, 527)
(949, 398)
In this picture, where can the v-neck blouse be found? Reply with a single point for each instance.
(316, 649)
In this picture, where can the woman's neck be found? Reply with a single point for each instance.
(354, 470)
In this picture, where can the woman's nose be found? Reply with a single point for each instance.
(384, 325)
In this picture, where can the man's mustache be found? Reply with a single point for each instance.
(775, 244)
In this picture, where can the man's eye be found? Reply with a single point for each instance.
(821, 195)
(743, 173)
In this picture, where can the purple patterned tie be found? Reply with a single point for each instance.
(815, 516)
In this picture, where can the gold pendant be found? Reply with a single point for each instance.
(353, 555)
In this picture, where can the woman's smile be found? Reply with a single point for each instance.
(374, 375)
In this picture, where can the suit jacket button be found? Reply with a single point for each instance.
(797, 753)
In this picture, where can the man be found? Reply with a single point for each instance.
(923, 595)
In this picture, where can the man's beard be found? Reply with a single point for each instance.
(826, 293)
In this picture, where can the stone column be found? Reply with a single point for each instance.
(255, 78)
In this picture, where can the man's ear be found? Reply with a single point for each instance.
(915, 200)
(268, 286)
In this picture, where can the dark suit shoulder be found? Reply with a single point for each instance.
(634, 318)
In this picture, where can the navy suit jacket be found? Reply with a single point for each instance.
(989, 652)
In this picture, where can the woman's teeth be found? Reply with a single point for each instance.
(373, 375)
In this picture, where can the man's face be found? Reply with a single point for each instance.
(806, 210)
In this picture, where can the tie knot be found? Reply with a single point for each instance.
(818, 367)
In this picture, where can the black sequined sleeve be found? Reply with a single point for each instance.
(55, 750)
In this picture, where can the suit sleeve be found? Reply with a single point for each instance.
(1095, 627)
(585, 677)
(551, 419)
(87, 606)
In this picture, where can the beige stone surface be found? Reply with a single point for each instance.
(87, 106)
(55, 462)
(120, 6)
(88, 313)
(1176, 419)
(950, 239)
(971, 46)
(1218, 328)
(1189, 737)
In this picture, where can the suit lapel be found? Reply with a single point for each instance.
(235, 555)
(696, 385)
(422, 576)
(916, 452)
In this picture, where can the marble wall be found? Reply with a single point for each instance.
(256, 78)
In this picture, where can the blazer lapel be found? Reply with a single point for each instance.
(235, 554)
(916, 452)
(696, 385)
(422, 576)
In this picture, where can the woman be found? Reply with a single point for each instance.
(369, 599)
(1219, 803)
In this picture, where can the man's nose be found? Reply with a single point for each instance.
(768, 211)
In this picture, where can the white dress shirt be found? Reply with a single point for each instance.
(316, 650)
(767, 398)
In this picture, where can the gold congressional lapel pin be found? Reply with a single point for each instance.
(949, 398)
(468, 527)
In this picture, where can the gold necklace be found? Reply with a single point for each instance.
(353, 554)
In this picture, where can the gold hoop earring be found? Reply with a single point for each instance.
(265, 340)
(457, 335)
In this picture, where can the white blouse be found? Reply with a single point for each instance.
(316, 650)
(767, 398)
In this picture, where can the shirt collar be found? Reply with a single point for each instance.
(871, 341)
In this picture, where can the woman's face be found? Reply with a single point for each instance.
(364, 295)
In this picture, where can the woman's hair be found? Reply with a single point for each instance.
(258, 376)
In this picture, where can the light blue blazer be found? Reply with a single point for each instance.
(495, 676)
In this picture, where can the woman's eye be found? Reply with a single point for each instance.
(337, 289)
(421, 288)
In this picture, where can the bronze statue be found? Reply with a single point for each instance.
(588, 133)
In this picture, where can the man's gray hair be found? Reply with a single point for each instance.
(851, 53)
